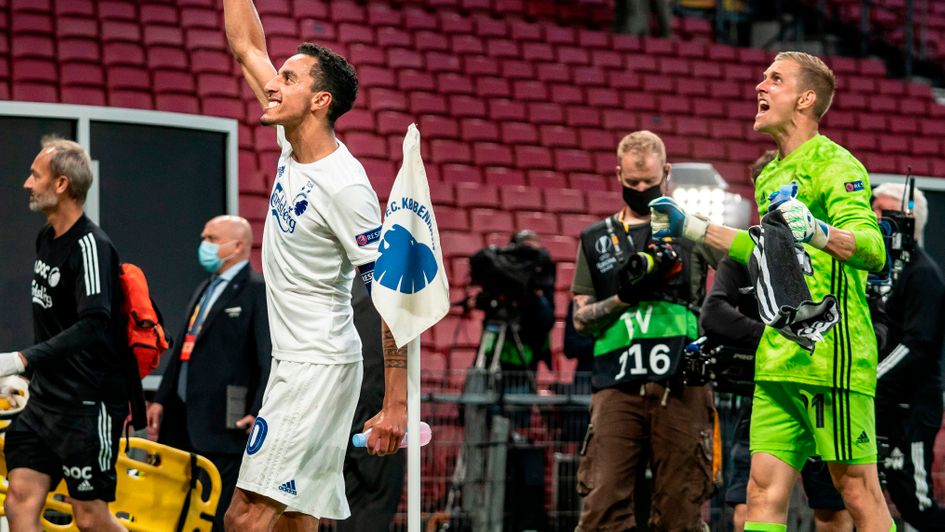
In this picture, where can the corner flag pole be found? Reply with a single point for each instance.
(413, 429)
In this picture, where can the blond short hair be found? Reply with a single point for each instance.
(642, 141)
(815, 76)
(70, 160)
(920, 210)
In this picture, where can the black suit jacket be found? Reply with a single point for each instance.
(233, 348)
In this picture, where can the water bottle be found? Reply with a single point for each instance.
(360, 440)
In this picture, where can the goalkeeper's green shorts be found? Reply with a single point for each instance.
(794, 421)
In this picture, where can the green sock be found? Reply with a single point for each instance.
(751, 526)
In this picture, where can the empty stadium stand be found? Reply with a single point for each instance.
(520, 104)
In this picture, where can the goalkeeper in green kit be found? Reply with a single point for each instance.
(820, 402)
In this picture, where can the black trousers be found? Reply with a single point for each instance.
(908, 467)
(373, 485)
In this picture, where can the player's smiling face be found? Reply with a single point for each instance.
(777, 96)
(291, 97)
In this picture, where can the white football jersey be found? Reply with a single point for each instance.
(324, 219)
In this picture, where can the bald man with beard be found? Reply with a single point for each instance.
(213, 386)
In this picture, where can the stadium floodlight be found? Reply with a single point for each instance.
(699, 188)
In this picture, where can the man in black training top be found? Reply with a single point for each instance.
(73, 420)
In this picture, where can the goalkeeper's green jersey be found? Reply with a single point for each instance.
(835, 187)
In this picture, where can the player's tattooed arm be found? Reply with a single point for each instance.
(393, 357)
(390, 424)
(592, 316)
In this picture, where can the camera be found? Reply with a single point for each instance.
(898, 229)
(729, 369)
(508, 275)
(659, 258)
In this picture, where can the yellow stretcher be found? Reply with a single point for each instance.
(154, 484)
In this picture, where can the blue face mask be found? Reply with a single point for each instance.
(207, 255)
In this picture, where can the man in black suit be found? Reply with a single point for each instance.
(213, 385)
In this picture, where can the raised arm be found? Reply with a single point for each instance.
(244, 34)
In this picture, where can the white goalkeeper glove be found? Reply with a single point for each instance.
(11, 364)
(804, 226)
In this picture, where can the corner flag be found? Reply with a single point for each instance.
(410, 289)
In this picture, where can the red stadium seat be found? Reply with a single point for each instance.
(83, 95)
(113, 10)
(583, 117)
(573, 224)
(178, 103)
(451, 218)
(444, 62)
(442, 193)
(491, 154)
(459, 244)
(491, 220)
(573, 161)
(153, 35)
(564, 200)
(427, 102)
(587, 182)
(130, 98)
(159, 57)
(413, 80)
(461, 173)
(433, 126)
(464, 106)
(477, 195)
(562, 248)
(430, 41)
(515, 198)
(393, 123)
(541, 222)
(546, 179)
(493, 87)
(504, 176)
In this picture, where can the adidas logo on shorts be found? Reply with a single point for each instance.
(85, 486)
(289, 487)
(863, 438)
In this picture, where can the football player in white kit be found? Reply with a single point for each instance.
(324, 222)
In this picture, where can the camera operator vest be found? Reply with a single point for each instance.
(646, 342)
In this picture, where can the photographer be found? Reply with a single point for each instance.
(637, 298)
(909, 386)
(517, 282)
(730, 318)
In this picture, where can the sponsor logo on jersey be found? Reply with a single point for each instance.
(289, 487)
(40, 297)
(280, 171)
(54, 277)
(368, 237)
(285, 212)
(257, 436)
(853, 186)
(85, 486)
(863, 438)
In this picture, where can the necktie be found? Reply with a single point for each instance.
(200, 313)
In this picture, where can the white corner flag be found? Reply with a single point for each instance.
(410, 289)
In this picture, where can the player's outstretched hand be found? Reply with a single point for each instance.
(668, 219)
(12, 364)
(387, 430)
(804, 226)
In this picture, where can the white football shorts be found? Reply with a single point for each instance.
(296, 450)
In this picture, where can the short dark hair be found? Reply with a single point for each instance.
(334, 74)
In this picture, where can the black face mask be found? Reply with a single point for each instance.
(639, 200)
